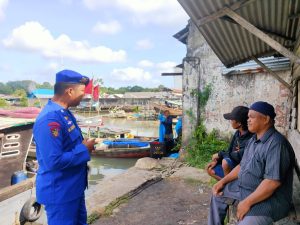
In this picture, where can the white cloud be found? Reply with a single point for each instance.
(145, 63)
(132, 74)
(3, 5)
(53, 66)
(144, 44)
(161, 12)
(111, 27)
(166, 67)
(33, 37)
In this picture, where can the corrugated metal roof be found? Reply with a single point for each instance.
(43, 93)
(182, 35)
(275, 64)
(231, 42)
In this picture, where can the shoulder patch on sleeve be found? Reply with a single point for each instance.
(54, 128)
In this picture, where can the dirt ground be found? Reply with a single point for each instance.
(168, 202)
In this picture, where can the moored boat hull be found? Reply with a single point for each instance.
(18, 203)
(13, 150)
(123, 152)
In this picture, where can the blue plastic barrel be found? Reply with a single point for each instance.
(18, 176)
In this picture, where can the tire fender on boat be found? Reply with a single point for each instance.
(31, 210)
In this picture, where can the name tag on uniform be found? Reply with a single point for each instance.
(71, 128)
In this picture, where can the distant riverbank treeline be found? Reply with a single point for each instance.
(28, 86)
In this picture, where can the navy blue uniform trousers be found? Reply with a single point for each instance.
(70, 213)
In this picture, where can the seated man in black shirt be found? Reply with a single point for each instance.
(224, 161)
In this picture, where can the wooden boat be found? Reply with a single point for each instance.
(105, 132)
(123, 148)
(16, 136)
(17, 202)
(26, 113)
(161, 108)
(123, 152)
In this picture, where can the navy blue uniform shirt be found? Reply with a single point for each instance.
(270, 157)
(62, 158)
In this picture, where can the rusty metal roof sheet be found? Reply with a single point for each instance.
(231, 42)
(275, 64)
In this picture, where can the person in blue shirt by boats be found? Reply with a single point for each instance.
(178, 129)
(224, 161)
(166, 130)
(62, 153)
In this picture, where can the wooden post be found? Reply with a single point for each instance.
(10, 191)
(275, 75)
(262, 36)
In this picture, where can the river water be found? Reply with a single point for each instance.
(103, 168)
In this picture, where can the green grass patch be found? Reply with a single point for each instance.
(192, 181)
(92, 218)
(212, 182)
(108, 211)
(203, 145)
(115, 204)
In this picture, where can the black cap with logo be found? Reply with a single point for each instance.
(239, 113)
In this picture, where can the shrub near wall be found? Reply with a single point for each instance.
(202, 144)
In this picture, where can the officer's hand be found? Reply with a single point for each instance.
(242, 209)
(217, 188)
(89, 143)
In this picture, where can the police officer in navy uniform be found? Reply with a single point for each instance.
(62, 153)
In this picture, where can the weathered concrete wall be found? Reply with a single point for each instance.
(190, 104)
(236, 90)
(294, 132)
(230, 91)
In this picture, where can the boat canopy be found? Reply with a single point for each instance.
(123, 142)
(6, 122)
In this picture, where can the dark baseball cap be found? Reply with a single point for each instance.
(239, 113)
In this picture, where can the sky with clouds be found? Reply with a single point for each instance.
(124, 42)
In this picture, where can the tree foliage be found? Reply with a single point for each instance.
(122, 90)
(5, 89)
(3, 103)
(24, 101)
(20, 93)
(28, 86)
(45, 85)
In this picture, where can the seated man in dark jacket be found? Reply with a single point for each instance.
(262, 184)
(224, 161)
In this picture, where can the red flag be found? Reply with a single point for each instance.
(96, 93)
(89, 87)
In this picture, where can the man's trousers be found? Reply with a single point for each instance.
(219, 206)
(71, 213)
